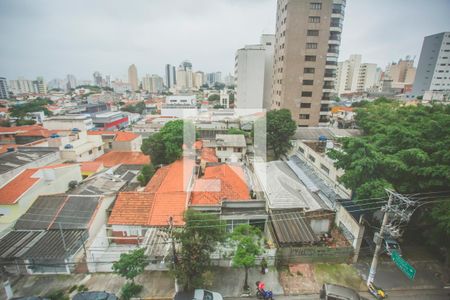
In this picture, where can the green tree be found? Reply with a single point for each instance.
(198, 238)
(165, 146)
(280, 128)
(22, 122)
(213, 97)
(138, 108)
(217, 106)
(236, 131)
(405, 148)
(131, 264)
(248, 248)
(146, 174)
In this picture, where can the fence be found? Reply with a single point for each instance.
(314, 254)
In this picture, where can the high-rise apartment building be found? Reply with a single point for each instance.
(71, 82)
(253, 74)
(4, 94)
(152, 84)
(401, 73)
(133, 77)
(433, 70)
(98, 80)
(170, 76)
(354, 76)
(21, 86)
(198, 79)
(184, 76)
(39, 85)
(307, 39)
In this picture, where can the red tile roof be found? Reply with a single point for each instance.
(114, 158)
(11, 192)
(198, 145)
(132, 208)
(123, 136)
(18, 129)
(164, 196)
(222, 182)
(209, 155)
(91, 166)
(4, 148)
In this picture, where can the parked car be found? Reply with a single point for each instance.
(338, 292)
(198, 294)
(95, 296)
(391, 245)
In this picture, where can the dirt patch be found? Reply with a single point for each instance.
(298, 279)
(341, 274)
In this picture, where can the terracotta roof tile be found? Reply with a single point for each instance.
(209, 155)
(11, 192)
(114, 158)
(132, 208)
(220, 183)
(123, 136)
(91, 166)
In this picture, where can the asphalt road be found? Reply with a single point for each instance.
(435, 294)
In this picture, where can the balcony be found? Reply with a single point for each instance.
(328, 86)
(330, 73)
(331, 63)
(336, 24)
(324, 119)
(335, 37)
(333, 50)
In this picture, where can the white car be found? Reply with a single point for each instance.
(200, 294)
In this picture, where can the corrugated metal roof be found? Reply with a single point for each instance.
(13, 243)
(76, 212)
(291, 229)
(41, 213)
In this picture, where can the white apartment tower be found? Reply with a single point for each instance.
(354, 76)
(253, 74)
(433, 70)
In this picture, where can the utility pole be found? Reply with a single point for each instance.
(378, 241)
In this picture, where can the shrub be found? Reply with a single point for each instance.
(130, 289)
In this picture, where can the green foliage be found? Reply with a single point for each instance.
(213, 97)
(280, 129)
(405, 148)
(21, 110)
(198, 238)
(57, 295)
(165, 146)
(236, 131)
(130, 290)
(73, 288)
(82, 288)
(248, 247)
(5, 123)
(22, 122)
(137, 108)
(219, 86)
(131, 264)
(146, 174)
(218, 106)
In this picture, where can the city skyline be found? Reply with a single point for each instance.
(98, 39)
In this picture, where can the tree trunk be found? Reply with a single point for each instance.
(246, 287)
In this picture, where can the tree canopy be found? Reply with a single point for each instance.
(21, 110)
(248, 248)
(131, 264)
(213, 97)
(405, 148)
(280, 128)
(166, 146)
(137, 108)
(147, 172)
(198, 239)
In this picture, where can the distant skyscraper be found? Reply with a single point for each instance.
(433, 70)
(169, 76)
(268, 41)
(133, 77)
(401, 73)
(307, 43)
(152, 84)
(218, 77)
(98, 80)
(198, 79)
(40, 86)
(108, 80)
(71, 82)
(21, 86)
(184, 76)
(4, 94)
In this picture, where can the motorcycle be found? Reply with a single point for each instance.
(261, 293)
(377, 292)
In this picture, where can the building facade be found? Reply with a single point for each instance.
(434, 65)
(354, 76)
(133, 77)
(4, 94)
(306, 53)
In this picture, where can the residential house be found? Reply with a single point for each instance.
(114, 158)
(18, 194)
(119, 140)
(69, 122)
(229, 147)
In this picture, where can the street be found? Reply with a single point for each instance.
(432, 294)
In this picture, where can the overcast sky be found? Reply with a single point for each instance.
(57, 37)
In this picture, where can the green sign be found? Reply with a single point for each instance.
(403, 265)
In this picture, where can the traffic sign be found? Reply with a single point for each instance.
(403, 265)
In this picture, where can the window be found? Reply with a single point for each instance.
(90, 151)
(304, 116)
(315, 6)
(311, 158)
(99, 148)
(309, 70)
(310, 58)
(311, 45)
(325, 169)
(301, 150)
(313, 32)
(308, 82)
(306, 94)
(305, 105)
(314, 19)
